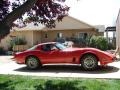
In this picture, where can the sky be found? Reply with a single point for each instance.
(95, 12)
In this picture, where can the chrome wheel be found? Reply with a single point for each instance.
(89, 62)
(32, 62)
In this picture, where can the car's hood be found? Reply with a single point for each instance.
(72, 49)
(98, 50)
(89, 49)
(76, 49)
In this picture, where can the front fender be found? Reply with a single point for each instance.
(89, 52)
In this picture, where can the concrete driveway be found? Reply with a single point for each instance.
(7, 66)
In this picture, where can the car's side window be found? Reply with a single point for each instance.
(48, 47)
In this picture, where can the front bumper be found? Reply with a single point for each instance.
(106, 61)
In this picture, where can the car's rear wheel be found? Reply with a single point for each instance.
(89, 62)
(33, 62)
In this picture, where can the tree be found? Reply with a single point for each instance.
(38, 11)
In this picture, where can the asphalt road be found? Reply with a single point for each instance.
(8, 66)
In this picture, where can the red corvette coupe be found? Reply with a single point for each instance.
(56, 53)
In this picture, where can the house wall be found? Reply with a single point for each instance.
(52, 35)
(118, 32)
(36, 37)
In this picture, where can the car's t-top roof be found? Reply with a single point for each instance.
(47, 43)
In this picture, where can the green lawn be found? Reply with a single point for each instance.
(12, 82)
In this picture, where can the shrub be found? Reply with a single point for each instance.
(17, 41)
(111, 46)
(80, 42)
(99, 42)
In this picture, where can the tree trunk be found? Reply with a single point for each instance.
(18, 12)
(7, 22)
(4, 30)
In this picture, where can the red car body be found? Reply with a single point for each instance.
(62, 55)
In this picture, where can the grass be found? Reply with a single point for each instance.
(14, 82)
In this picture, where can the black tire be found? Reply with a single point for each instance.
(89, 62)
(33, 62)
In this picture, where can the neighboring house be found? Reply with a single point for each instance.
(68, 28)
(111, 35)
(118, 31)
(111, 32)
(101, 29)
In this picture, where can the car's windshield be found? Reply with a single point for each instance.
(60, 46)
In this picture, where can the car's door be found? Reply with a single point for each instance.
(52, 55)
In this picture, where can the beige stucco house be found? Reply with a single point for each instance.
(118, 31)
(69, 27)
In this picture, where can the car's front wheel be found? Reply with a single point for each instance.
(89, 62)
(33, 62)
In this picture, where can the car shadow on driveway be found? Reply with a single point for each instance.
(69, 69)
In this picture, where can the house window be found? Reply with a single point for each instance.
(46, 35)
(59, 35)
(82, 35)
